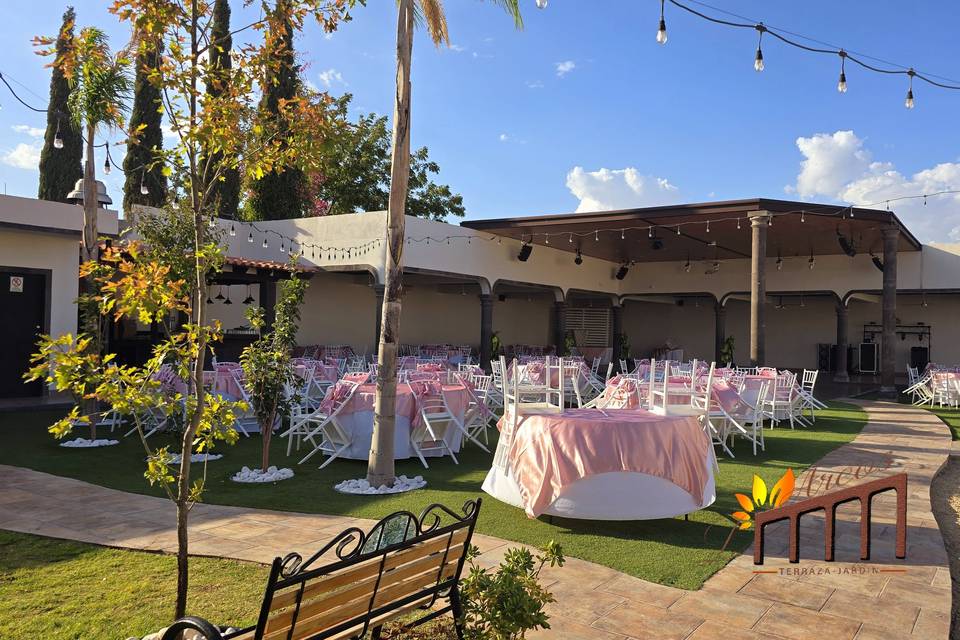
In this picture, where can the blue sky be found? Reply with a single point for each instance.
(510, 115)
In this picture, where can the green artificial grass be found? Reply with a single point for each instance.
(55, 589)
(673, 552)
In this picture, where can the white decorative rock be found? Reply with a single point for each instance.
(196, 457)
(272, 474)
(362, 487)
(83, 443)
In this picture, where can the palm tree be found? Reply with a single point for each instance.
(429, 13)
(99, 91)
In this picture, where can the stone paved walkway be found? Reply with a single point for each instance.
(884, 598)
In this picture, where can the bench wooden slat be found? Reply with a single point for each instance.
(365, 570)
(329, 600)
(306, 628)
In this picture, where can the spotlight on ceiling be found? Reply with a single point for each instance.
(846, 244)
(579, 259)
(525, 252)
(622, 272)
(657, 244)
(877, 262)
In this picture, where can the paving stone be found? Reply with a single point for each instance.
(776, 589)
(638, 590)
(734, 610)
(897, 617)
(640, 620)
(799, 623)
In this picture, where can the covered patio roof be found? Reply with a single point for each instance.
(711, 230)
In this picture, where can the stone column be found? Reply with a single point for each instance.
(891, 236)
(759, 221)
(720, 331)
(486, 329)
(840, 365)
(617, 317)
(378, 290)
(559, 311)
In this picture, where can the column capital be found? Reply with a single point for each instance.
(759, 218)
(892, 231)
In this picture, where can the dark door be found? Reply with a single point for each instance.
(22, 301)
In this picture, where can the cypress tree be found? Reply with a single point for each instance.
(282, 193)
(60, 168)
(225, 194)
(139, 165)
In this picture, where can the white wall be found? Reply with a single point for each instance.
(56, 252)
(650, 325)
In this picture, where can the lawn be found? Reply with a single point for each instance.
(951, 417)
(672, 551)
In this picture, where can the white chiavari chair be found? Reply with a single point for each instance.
(334, 439)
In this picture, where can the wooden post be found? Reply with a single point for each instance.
(759, 221)
(888, 360)
(378, 292)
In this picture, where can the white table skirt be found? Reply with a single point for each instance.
(359, 426)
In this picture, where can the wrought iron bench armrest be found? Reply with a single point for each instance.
(209, 631)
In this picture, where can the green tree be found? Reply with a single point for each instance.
(225, 194)
(356, 176)
(266, 361)
(60, 167)
(173, 281)
(281, 192)
(143, 164)
(380, 469)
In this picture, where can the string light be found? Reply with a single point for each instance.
(233, 230)
(144, 191)
(106, 161)
(738, 223)
(908, 103)
(650, 232)
(662, 29)
(541, 4)
(250, 237)
(264, 245)
(596, 236)
(708, 226)
(842, 84)
(758, 60)
(803, 216)
(57, 138)
(623, 234)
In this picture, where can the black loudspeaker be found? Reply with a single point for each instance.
(825, 357)
(869, 358)
(919, 357)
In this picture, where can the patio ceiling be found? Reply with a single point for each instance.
(799, 229)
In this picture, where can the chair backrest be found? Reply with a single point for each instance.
(403, 563)
(555, 380)
(809, 380)
(511, 417)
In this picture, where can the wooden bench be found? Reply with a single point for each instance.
(403, 563)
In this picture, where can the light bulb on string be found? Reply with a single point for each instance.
(802, 218)
(250, 237)
(144, 191)
(908, 103)
(233, 231)
(738, 223)
(264, 245)
(541, 4)
(57, 138)
(842, 84)
(708, 226)
(662, 29)
(106, 160)
(650, 232)
(758, 59)
(547, 238)
(570, 238)
(678, 229)
(596, 236)
(623, 234)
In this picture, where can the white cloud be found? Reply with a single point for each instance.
(534, 84)
(565, 67)
(457, 48)
(23, 156)
(503, 137)
(607, 189)
(329, 77)
(33, 132)
(837, 166)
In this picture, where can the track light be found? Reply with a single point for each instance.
(687, 266)
(525, 250)
(779, 263)
(877, 262)
(662, 29)
(758, 59)
(579, 259)
(846, 245)
(812, 262)
(657, 244)
(622, 272)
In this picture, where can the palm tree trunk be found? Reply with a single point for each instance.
(89, 318)
(380, 469)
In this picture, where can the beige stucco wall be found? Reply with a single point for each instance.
(793, 332)
(650, 325)
(433, 316)
(338, 310)
(523, 319)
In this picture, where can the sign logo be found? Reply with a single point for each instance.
(16, 284)
(751, 505)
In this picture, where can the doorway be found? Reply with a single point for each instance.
(24, 299)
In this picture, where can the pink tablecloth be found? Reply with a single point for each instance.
(456, 395)
(552, 451)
